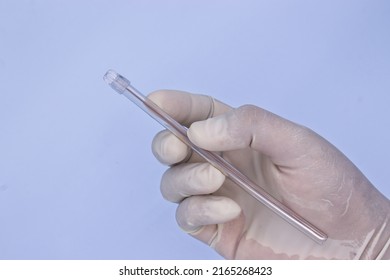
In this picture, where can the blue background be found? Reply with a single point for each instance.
(77, 178)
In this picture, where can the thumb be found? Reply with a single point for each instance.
(254, 127)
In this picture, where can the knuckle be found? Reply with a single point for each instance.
(252, 114)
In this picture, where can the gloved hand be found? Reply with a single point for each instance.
(293, 164)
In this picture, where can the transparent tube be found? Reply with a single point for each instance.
(121, 85)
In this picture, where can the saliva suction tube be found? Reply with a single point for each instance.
(122, 86)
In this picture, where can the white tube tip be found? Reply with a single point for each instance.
(116, 81)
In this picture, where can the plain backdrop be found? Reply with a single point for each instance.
(77, 176)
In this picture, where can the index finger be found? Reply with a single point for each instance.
(187, 107)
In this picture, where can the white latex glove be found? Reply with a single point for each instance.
(294, 164)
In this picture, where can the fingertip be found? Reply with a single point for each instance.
(216, 134)
(174, 102)
(194, 133)
(215, 178)
(186, 180)
(186, 107)
(197, 211)
(160, 97)
(168, 149)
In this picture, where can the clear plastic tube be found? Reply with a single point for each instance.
(121, 85)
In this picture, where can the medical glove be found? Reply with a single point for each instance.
(291, 162)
